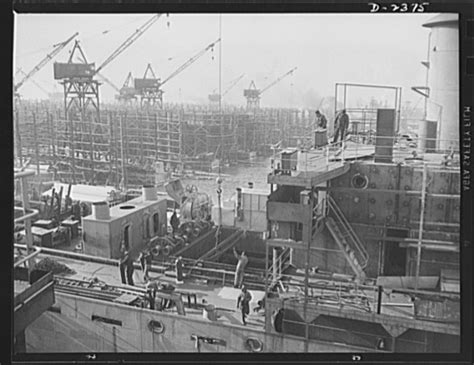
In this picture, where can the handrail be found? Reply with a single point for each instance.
(347, 225)
(280, 259)
(30, 215)
(27, 257)
(356, 241)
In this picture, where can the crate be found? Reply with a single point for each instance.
(320, 138)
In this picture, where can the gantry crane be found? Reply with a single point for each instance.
(78, 78)
(216, 98)
(127, 92)
(253, 94)
(82, 90)
(150, 89)
(43, 62)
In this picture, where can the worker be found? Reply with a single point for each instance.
(174, 222)
(322, 121)
(240, 268)
(145, 263)
(243, 302)
(151, 288)
(122, 263)
(340, 125)
(179, 270)
(126, 266)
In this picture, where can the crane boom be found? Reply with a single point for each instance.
(129, 41)
(277, 80)
(35, 83)
(108, 82)
(233, 84)
(44, 61)
(189, 62)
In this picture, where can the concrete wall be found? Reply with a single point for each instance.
(72, 330)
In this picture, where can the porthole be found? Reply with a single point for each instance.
(156, 326)
(360, 181)
(254, 344)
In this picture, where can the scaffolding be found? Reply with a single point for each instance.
(121, 144)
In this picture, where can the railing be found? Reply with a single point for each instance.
(29, 256)
(351, 236)
(364, 144)
(276, 269)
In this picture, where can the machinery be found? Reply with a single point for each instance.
(78, 77)
(43, 62)
(253, 94)
(81, 96)
(195, 219)
(150, 88)
(127, 92)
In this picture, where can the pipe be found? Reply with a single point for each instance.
(21, 174)
(34, 213)
(27, 257)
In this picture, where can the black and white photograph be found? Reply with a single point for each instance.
(236, 183)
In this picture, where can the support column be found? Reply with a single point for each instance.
(20, 343)
(35, 137)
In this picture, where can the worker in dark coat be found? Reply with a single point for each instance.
(322, 121)
(240, 268)
(243, 302)
(174, 221)
(151, 289)
(126, 267)
(179, 270)
(341, 124)
(123, 263)
(145, 263)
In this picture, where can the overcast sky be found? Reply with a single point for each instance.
(326, 48)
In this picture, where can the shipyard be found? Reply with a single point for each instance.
(185, 184)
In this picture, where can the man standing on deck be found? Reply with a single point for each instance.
(145, 263)
(122, 263)
(340, 125)
(243, 302)
(240, 269)
(174, 221)
(179, 270)
(126, 266)
(322, 121)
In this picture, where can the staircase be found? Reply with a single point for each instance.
(347, 240)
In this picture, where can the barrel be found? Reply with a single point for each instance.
(209, 312)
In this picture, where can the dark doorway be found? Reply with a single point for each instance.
(395, 257)
(126, 237)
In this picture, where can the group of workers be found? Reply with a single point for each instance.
(145, 258)
(341, 124)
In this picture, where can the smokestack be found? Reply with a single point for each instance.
(149, 192)
(101, 210)
(385, 135)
